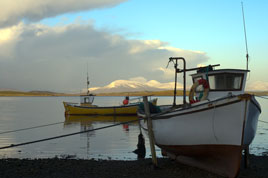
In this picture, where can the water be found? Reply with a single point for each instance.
(112, 143)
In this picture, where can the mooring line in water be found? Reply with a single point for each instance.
(67, 135)
(10, 131)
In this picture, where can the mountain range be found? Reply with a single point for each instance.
(133, 86)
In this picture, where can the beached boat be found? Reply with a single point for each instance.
(212, 130)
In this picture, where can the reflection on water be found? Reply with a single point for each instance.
(84, 119)
(117, 142)
(88, 122)
(91, 123)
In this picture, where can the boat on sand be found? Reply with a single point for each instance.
(214, 127)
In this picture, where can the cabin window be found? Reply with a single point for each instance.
(225, 81)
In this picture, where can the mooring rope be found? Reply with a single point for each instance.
(67, 135)
(34, 127)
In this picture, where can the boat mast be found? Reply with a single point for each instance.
(87, 81)
(244, 23)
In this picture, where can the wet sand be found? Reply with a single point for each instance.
(168, 168)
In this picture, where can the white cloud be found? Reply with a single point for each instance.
(163, 86)
(167, 72)
(139, 79)
(13, 11)
(257, 86)
(55, 58)
(148, 44)
(8, 39)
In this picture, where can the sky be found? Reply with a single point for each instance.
(51, 45)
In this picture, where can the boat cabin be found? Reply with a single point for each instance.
(86, 100)
(222, 82)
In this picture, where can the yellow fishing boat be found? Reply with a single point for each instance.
(73, 109)
(85, 107)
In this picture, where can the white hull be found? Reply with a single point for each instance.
(221, 122)
(209, 129)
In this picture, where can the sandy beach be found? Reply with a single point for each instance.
(113, 169)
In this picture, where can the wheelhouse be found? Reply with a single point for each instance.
(86, 99)
(222, 82)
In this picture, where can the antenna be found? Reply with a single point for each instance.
(87, 80)
(245, 32)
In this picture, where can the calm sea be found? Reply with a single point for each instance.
(112, 143)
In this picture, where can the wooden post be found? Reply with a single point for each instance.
(150, 129)
(246, 157)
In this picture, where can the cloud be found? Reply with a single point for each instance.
(12, 12)
(138, 79)
(39, 57)
(167, 72)
(257, 86)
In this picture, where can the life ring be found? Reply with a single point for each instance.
(193, 88)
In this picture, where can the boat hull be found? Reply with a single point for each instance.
(209, 135)
(97, 118)
(71, 109)
(223, 160)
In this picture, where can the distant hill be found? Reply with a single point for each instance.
(133, 86)
(42, 92)
(31, 93)
(8, 89)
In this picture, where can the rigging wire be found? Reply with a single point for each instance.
(34, 127)
(67, 135)
(245, 33)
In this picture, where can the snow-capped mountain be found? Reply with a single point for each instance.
(133, 86)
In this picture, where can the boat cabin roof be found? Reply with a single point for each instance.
(211, 71)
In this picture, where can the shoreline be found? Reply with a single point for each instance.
(55, 167)
(145, 93)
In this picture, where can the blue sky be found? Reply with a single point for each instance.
(212, 27)
(215, 27)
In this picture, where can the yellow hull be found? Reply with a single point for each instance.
(97, 118)
(71, 109)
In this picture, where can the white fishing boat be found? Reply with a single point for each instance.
(212, 130)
